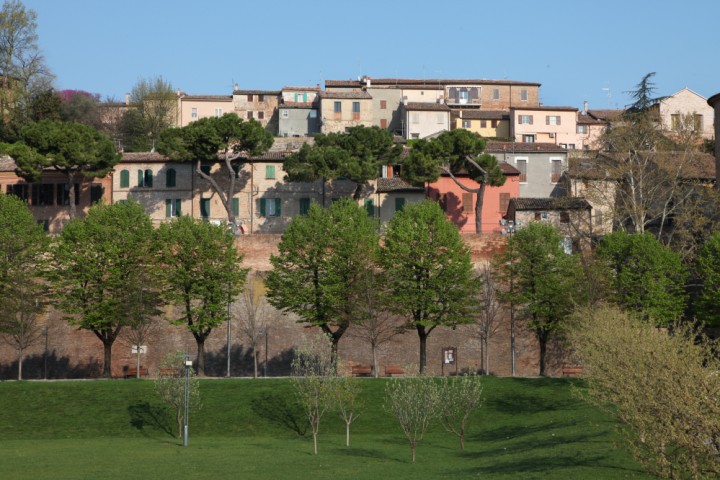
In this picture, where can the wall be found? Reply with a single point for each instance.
(687, 102)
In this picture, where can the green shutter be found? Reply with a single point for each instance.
(124, 179)
(262, 207)
(236, 169)
(370, 207)
(204, 207)
(148, 178)
(399, 204)
(304, 206)
(236, 206)
(269, 171)
(168, 208)
(178, 204)
(170, 178)
(141, 178)
(277, 207)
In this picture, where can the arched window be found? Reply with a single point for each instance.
(170, 178)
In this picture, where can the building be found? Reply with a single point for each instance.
(423, 120)
(686, 112)
(486, 123)
(260, 105)
(195, 107)
(544, 125)
(714, 102)
(299, 112)
(540, 166)
(342, 110)
(572, 217)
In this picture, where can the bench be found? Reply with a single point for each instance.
(572, 370)
(132, 372)
(392, 370)
(361, 370)
(168, 372)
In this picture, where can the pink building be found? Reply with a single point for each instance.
(459, 205)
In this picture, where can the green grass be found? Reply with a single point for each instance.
(526, 429)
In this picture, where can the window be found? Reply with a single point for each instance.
(270, 171)
(63, 194)
(370, 207)
(564, 217)
(205, 169)
(466, 123)
(415, 118)
(383, 123)
(541, 216)
(236, 207)
(521, 164)
(504, 202)
(218, 112)
(524, 95)
(467, 202)
(205, 207)
(582, 129)
(261, 115)
(304, 206)
(356, 110)
(145, 178)
(598, 218)
(261, 98)
(124, 179)
(463, 96)
(42, 194)
(96, 193)
(494, 123)
(552, 120)
(571, 146)
(249, 115)
(399, 204)
(193, 113)
(337, 107)
(250, 98)
(172, 207)
(556, 170)
(170, 178)
(313, 113)
(383, 104)
(284, 113)
(528, 138)
(270, 207)
(236, 169)
(496, 94)
(567, 245)
(698, 122)
(525, 119)
(483, 123)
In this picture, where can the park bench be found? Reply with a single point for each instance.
(168, 372)
(132, 371)
(392, 370)
(572, 370)
(361, 370)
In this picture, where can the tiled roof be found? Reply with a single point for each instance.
(302, 89)
(424, 81)
(215, 98)
(345, 95)
(700, 166)
(519, 147)
(430, 107)
(553, 203)
(589, 120)
(257, 92)
(545, 108)
(481, 114)
(508, 169)
(305, 105)
(606, 115)
(143, 157)
(395, 184)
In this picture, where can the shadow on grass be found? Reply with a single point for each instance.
(523, 403)
(143, 415)
(514, 445)
(281, 410)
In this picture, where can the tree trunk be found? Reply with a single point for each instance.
(137, 363)
(315, 440)
(542, 340)
(358, 191)
(255, 362)
(462, 441)
(107, 367)
(179, 419)
(20, 362)
(478, 206)
(347, 434)
(71, 193)
(412, 448)
(373, 349)
(422, 334)
(482, 356)
(487, 356)
(200, 360)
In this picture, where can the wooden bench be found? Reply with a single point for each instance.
(361, 370)
(168, 372)
(392, 370)
(132, 372)
(572, 370)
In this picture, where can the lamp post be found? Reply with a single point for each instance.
(188, 366)
(265, 365)
(228, 338)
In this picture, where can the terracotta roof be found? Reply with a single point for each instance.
(345, 95)
(396, 184)
(143, 157)
(508, 169)
(482, 114)
(302, 89)
(424, 81)
(545, 108)
(257, 92)
(606, 115)
(550, 203)
(305, 105)
(700, 166)
(588, 120)
(431, 107)
(519, 147)
(227, 98)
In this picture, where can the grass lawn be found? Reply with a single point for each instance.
(526, 429)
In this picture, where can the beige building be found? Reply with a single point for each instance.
(572, 217)
(714, 102)
(425, 119)
(556, 125)
(195, 107)
(260, 105)
(342, 110)
(686, 111)
(486, 123)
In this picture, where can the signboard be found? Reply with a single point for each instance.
(143, 349)
(449, 357)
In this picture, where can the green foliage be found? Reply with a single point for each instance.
(646, 277)
(202, 272)
(134, 131)
(156, 100)
(427, 270)
(45, 105)
(544, 282)
(708, 269)
(170, 387)
(459, 397)
(320, 265)
(346, 392)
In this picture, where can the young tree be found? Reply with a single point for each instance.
(414, 401)
(77, 151)
(157, 101)
(313, 375)
(254, 313)
(346, 390)
(544, 280)
(202, 273)
(356, 155)
(708, 268)
(322, 260)
(81, 107)
(663, 386)
(20, 325)
(459, 396)
(170, 387)
(427, 270)
(96, 263)
(208, 139)
(489, 312)
(646, 276)
(451, 152)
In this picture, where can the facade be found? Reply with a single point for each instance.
(589, 131)
(299, 115)
(342, 110)
(425, 119)
(540, 166)
(260, 105)
(195, 107)
(687, 111)
(486, 123)
(544, 124)
(572, 217)
(714, 102)
(391, 196)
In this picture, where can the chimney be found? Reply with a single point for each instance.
(236, 87)
(585, 105)
(460, 113)
(367, 82)
(127, 99)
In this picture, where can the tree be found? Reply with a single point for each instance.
(321, 262)
(157, 101)
(708, 268)
(544, 281)
(346, 390)
(205, 139)
(81, 107)
(663, 386)
(202, 273)
(427, 270)
(459, 396)
(170, 387)
(45, 105)
(96, 264)
(313, 375)
(452, 152)
(20, 321)
(646, 276)
(24, 72)
(356, 155)
(77, 151)
(253, 312)
(414, 401)
(489, 311)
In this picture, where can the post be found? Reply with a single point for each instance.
(265, 365)
(188, 366)
(228, 338)
(45, 355)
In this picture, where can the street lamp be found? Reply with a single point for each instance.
(188, 366)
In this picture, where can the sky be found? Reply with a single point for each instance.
(593, 51)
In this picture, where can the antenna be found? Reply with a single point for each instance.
(609, 95)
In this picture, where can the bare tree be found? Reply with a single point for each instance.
(459, 397)
(20, 325)
(346, 390)
(170, 387)
(157, 101)
(489, 313)
(254, 313)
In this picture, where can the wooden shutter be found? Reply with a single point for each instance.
(124, 179)
(168, 208)
(504, 202)
(178, 210)
(467, 202)
(205, 207)
(236, 206)
(370, 207)
(399, 204)
(531, 119)
(278, 203)
(141, 178)
(270, 171)
(262, 207)
(149, 178)
(304, 206)
(556, 171)
(170, 178)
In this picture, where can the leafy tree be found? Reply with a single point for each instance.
(356, 155)
(202, 274)
(203, 140)
(452, 152)
(157, 101)
(23, 246)
(77, 151)
(415, 402)
(427, 270)
(459, 396)
(708, 268)
(663, 386)
(81, 107)
(321, 262)
(96, 264)
(45, 105)
(133, 130)
(544, 280)
(170, 387)
(646, 276)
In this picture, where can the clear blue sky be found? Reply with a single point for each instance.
(577, 50)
